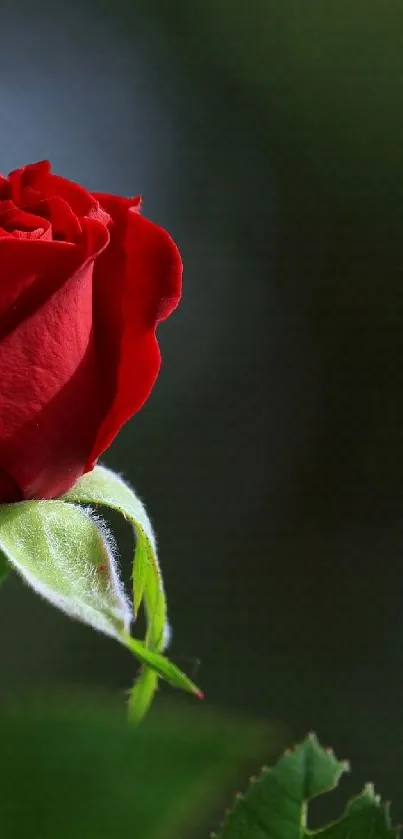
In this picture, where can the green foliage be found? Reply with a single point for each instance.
(75, 769)
(276, 802)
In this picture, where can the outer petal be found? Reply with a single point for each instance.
(137, 283)
(49, 394)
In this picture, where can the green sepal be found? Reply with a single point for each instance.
(161, 665)
(66, 555)
(142, 694)
(103, 487)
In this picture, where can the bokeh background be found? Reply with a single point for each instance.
(268, 138)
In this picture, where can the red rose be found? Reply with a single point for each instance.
(84, 281)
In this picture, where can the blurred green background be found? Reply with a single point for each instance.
(268, 138)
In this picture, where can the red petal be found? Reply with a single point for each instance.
(31, 270)
(23, 224)
(49, 395)
(65, 224)
(27, 177)
(36, 181)
(79, 199)
(137, 283)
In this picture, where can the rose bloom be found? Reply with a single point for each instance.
(84, 281)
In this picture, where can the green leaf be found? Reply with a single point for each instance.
(103, 487)
(67, 556)
(366, 817)
(276, 803)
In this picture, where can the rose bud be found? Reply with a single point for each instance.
(84, 281)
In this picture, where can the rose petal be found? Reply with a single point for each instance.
(79, 199)
(22, 224)
(31, 270)
(117, 206)
(34, 182)
(30, 274)
(49, 418)
(49, 395)
(26, 179)
(137, 283)
(65, 224)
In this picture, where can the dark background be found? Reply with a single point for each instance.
(268, 138)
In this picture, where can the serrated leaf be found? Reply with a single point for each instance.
(67, 557)
(366, 817)
(275, 804)
(103, 487)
